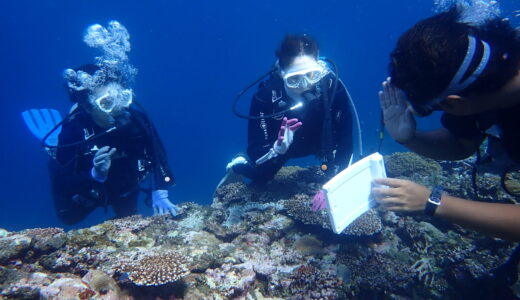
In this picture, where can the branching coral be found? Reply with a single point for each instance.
(236, 192)
(309, 282)
(43, 232)
(156, 269)
(414, 167)
(133, 223)
(424, 270)
(299, 207)
(368, 223)
(425, 265)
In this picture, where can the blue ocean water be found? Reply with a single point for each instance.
(193, 57)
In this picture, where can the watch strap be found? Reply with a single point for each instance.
(433, 201)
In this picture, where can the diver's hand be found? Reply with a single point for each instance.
(398, 118)
(400, 195)
(161, 205)
(318, 202)
(284, 140)
(286, 135)
(102, 161)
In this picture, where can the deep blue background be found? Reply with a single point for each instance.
(193, 57)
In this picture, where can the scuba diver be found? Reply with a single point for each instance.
(470, 72)
(479, 95)
(106, 146)
(301, 109)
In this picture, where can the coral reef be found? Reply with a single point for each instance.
(310, 282)
(264, 242)
(155, 269)
(412, 166)
(299, 206)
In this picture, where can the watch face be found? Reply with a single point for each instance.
(435, 197)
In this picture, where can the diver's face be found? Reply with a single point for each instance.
(100, 116)
(111, 98)
(472, 104)
(302, 74)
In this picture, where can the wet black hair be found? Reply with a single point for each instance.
(294, 45)
(429, 54)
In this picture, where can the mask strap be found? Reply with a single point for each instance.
(456, 85)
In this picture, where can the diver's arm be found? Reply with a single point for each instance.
(70, 172)
(496, 219)
(72, 132)
(73, 161)
(261, 132)
(441, 144)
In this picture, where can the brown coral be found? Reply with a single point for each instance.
(368, 223)
(133, 223)
(299, 207)
(236, 192)
(48, 232)
(156, 269)
(412, 166)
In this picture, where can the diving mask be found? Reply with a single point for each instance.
(305, 75)
(114, 98)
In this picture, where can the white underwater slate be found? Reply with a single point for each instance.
(348, 193)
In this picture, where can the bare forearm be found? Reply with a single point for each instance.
(440, 144)
(500, 220)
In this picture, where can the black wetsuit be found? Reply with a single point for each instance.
(139, 151)
(504, 124)
(271, 97)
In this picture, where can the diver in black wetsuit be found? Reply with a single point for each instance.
(317, 119)
(105, 150)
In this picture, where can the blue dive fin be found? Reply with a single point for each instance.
(41, 121)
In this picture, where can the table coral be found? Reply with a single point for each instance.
(156, 269)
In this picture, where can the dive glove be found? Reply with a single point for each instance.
(161, 205)
(284, 140)
(318, 202)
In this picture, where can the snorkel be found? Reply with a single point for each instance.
(461, 80)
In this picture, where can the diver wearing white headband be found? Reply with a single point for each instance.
(457, 85)
(480, 109)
